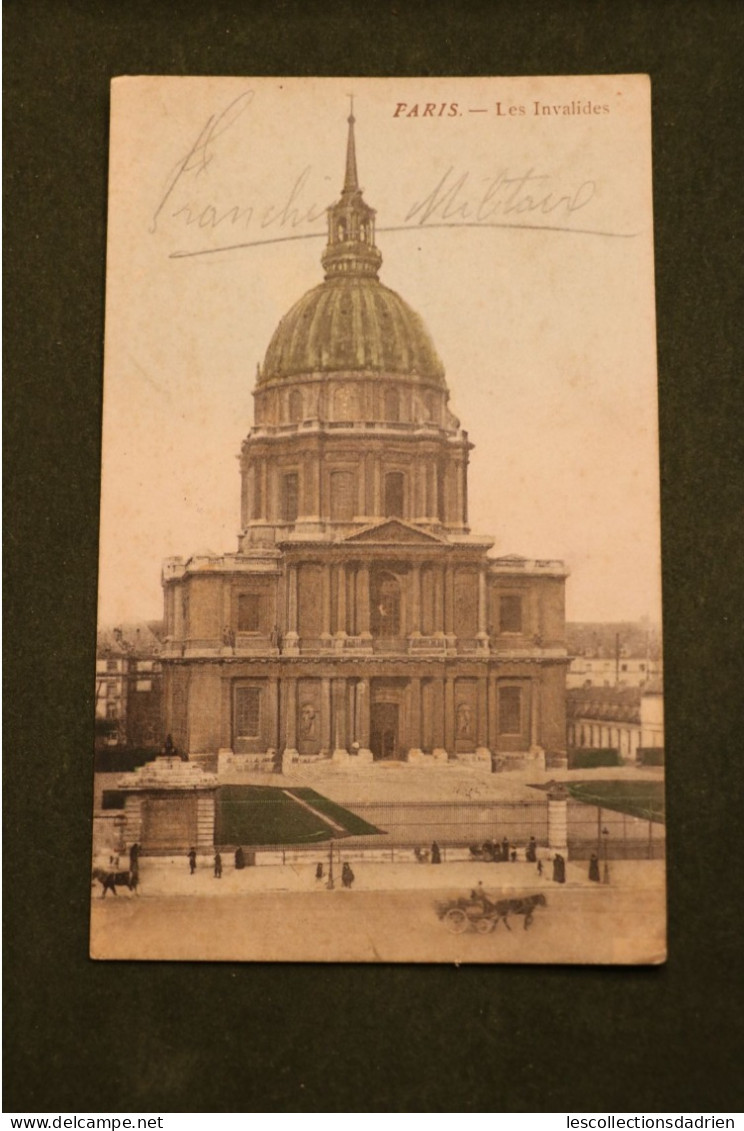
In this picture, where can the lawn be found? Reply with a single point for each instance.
(263, 815)
(643, 799)
(350, 821)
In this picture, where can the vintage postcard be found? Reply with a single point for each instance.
(379, 666)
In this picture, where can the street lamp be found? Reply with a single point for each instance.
(605, 841)
(330, 884)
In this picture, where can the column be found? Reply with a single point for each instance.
(272, 711)
(341, 600)
(415, 622)
(439, 750)
(414, 720)
(362, 720)
(481, 731)
(460, 492)
(419, 479)
(482, 610)
(325, 598)
(377, 508)
(273, 509)
(316, 486)
(340, 753)
(307, 487)
(362, 602)
(493, 740)
(291, 639)
(449, 606)
(178, 591)
(246, 494)
(438, 603)
(225, 716)
(534, 713)
(361, 488)
(449, 715)
(325, 715)
(290, 720)
(262, 510)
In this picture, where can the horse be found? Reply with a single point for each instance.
(109, 879)
(503, 908)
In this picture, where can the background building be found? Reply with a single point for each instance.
(129, 694)
(627, 719)
(360, 618)
(620, 654)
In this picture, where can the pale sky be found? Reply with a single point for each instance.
(523, 240)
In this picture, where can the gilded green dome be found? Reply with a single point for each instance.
(351, 323)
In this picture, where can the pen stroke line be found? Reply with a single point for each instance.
(407, 228)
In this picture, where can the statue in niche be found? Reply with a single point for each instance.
(464, 721)
(308, 721)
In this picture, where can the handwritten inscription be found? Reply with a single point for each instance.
(456, 198)
(505, 197)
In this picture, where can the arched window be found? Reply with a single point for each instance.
(341, 230)
(394, 494)
(385, 605)
(345, 405)
(392, 405)
(295, 406)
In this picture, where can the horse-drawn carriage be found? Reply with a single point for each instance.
(481, 914)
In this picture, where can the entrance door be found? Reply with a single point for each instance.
(384, 730)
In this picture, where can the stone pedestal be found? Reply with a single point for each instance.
(558, 819)
(169, 806)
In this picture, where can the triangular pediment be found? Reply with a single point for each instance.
(394, 531)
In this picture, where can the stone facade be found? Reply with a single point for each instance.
(360, 619)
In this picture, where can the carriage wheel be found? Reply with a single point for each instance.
(456, 920)
(483, 926)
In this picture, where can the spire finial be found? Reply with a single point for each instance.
(351, 180)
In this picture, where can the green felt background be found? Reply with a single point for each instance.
(82, 1036)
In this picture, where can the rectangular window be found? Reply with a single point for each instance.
(112, 665)
(342, 495)
(249, 612)
(510, 710)
(247, 712)
(510, 614)
(111, 711)
(290, 496)
(144, 685)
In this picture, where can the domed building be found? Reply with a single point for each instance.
(360, 620)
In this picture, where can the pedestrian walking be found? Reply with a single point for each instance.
(531, 851)
(217, 866)
(539, 867)
(347, 876)
(505, 849)
(192, 860)
(436, 855)
(594, 868)
(239, 858)
(134, 855)
(559, 869)
(319, 870)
